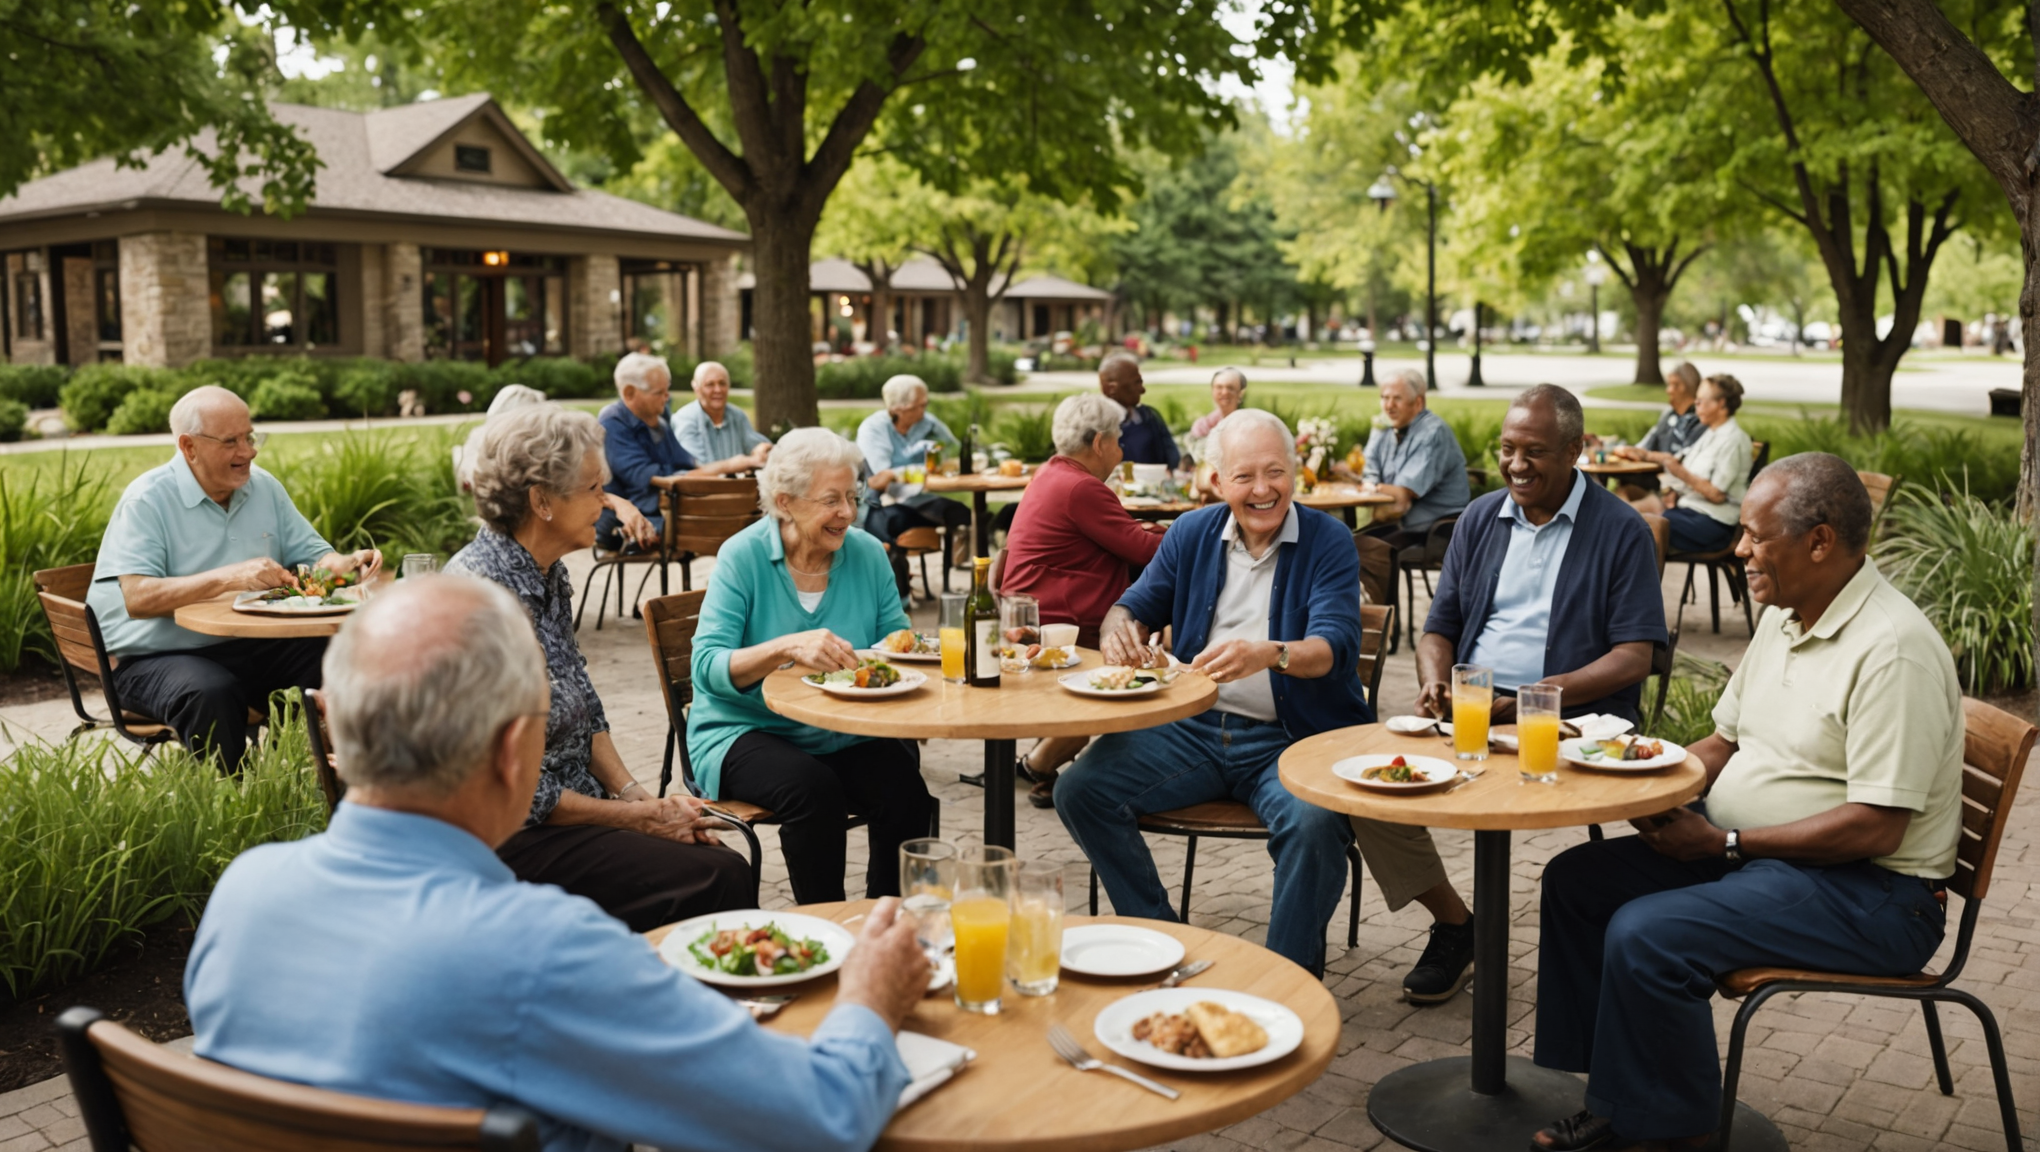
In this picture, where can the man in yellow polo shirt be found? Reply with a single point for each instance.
(1829, 827)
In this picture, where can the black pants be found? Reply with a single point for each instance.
(204, 694)
(888, 522)
(813, 796)
(641, 880)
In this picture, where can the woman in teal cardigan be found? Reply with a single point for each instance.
(804, 586)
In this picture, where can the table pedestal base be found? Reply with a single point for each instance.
(1430, 1107)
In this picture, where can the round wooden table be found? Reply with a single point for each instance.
(977, 484)
(1615, 469)
(1343, 499)
(1030, 705)
(1489, 1100)
(216, 617)
(1018, 1096)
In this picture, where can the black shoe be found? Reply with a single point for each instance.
(1445, 966)
(1042, 795)
(1577, 1133)
(1022, 771)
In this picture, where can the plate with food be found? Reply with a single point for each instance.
(1199, 1029)
(754, 948)
(1622, 753)
(1395, 773)
(318, 593)
(1116, 680)
(1118, 950)
(870, 678)
(909, 646)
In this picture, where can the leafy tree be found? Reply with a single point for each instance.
(1202, 236)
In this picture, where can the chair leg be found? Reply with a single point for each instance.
(1189, 876)
(1094, 891)
(1685, 593)
(1714, 596)
(1353, 909)
(1594, 832)
(2000, 1072)
(687, 573)
(1742, 581)
(927, 586)
(935, 820)
(642, 581)
(1939, 1047)
(581, 609)
(666, 768)
(1732, 1072)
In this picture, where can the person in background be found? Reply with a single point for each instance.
(1703, 489)
(803, 586)
(1825, 840)
(1228, 388)
(1679, 426)
(206, 523)
(1145, 437)
(709, 429)
(892, 440)
(631, 523)
(1416, 460)
(591, 829)
(640, 445)
(393, 956)
(1071, 548)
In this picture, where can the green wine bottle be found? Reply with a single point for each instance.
(983, 607)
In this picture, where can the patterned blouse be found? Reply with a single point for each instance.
(576, 711)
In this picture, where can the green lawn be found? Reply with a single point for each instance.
(1994, 430)
(121, 464)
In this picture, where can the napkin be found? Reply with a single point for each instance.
(1600, 725)
(930, 1063)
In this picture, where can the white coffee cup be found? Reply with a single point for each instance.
(1059, 635)
(1149, 475)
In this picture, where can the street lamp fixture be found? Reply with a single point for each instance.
(1367, 356)
(1382, 192)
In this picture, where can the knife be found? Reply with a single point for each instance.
(1184, 973)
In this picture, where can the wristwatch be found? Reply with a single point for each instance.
(1281, 656)
(1732, 851)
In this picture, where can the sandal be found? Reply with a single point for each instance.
(1042, 795)
(1577, 1133)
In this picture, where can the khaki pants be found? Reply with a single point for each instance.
(1402, 858)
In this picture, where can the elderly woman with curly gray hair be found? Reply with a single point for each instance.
(593, 830)
(803, 585)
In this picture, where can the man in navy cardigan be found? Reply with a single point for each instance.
(1264, 597)
(1553, 581)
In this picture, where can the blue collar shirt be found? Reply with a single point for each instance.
(1426, 459)
(637, 452)
(1513, 642)
(886, 448)
(1144, 437)
(708, 441)
(395, 956)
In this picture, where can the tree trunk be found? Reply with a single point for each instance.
(1649, 296)
(881, 317)
(1221, 329)
(977, 312)
(781, 319)
(2029, 401)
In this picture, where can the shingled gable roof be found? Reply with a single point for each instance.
(355, 149)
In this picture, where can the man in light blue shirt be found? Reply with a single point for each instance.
(394, 956)
(1416, 460)
(1513, 640)
(719, 436)
(205, 524)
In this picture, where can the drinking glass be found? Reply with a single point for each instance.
(981, 914)
(927, 883)
(1019, 627)
(420, 564)
(1473, 694)
(1537, 732)
(955, 636)
(1034, 942)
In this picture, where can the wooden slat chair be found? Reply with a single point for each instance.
(1377, 574)
(1232, 820)
(133, 1093)
(700, 513)
(918, 544)
(1661, 659)
(321, 740)
(1996, 745)
(1723, 564)
(1881, 488)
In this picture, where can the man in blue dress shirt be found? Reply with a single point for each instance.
(394, 956)
(639, 444)
(1144, 436)
(1553, 581)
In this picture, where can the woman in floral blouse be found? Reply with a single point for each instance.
(593, 830)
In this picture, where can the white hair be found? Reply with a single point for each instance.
(1232, 372)
(419, 682)
(635, 370)
(513, 397)
(1241, 421)
(187, 416)
(1412, 379)
(1083, 418)
(790, 470)
(902, 392)
(538, 446)
(702, 369)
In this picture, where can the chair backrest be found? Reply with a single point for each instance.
(132, 1091)
(321, 741)
(703, 512)
(62, 592)
(1995, 745)
(1661, 531)
(670, 622)
(1377, 624)
(1377, 568)
(1760, 455)
(997, 575)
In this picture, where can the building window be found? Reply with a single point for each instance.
(470, 158)
(106, 303)
(278, 294)
(28, 306)
(493, 306)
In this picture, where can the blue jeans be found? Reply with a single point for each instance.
(1213, 756)
(1632, 941)
(1695, 531)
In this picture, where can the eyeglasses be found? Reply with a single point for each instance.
(253, 441)
(835, 501)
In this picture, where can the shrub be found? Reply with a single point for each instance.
(960, 412)
(1943, 458)
(142, 410)
(863, 377)
(1030, 435)
(1689, 699)
(34, 385)
(439, 384)
(13, 418)
(96, 390)
(98, 842)
(365, 388)
(559, 378)
(370, 490)
(55, 519)
(290, 394)
(1969, 566)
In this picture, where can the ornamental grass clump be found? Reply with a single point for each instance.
(52, 520)
(1689, 700)
(1968, 564)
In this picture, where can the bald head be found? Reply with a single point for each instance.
(216, 437)
(1119, 379)
(207, 409)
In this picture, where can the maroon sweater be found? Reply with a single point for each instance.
(1070, 545)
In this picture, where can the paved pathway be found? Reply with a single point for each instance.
(1835, 1072)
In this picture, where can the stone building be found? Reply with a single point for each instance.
(437, 230)
(927, 305)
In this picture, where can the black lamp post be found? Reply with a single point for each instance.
(1367, 361)
(1473, 380)
(1383, 193)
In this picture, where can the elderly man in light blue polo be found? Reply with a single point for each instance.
(717, 435)
(206, 523)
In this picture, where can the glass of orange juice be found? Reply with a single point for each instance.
(1034, 942)
(1537, 732)
(981, 917)
(1473, 695)
(954, 634)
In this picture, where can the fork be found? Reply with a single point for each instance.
(1462, 781)
(1066, 1046)
(764, 1007)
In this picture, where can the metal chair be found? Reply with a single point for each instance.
(918, 544)
(699, 513)
(1723, 563)
(1881, 489)
(1996, 745)
(133, 1093)
(324, 765)
(1426, 558)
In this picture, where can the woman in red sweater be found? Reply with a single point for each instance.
(1071, 546)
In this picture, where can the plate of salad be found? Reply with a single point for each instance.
(870, 678)
(1115, 681)
(755, 948)
(318, 593)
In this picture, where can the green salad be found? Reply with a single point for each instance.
(765, 951)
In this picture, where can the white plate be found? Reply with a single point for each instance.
(1072, 662)
(831, 935)
(900, 657)
(1119, 950)
(943, 975)
(1141, 501)
(1570, 751)
(1114, 1027)
(909, 680)
(1080, 683)
(1411, 725)
(251, 603)
(1434, 771)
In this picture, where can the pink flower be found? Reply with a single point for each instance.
(464, 396)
